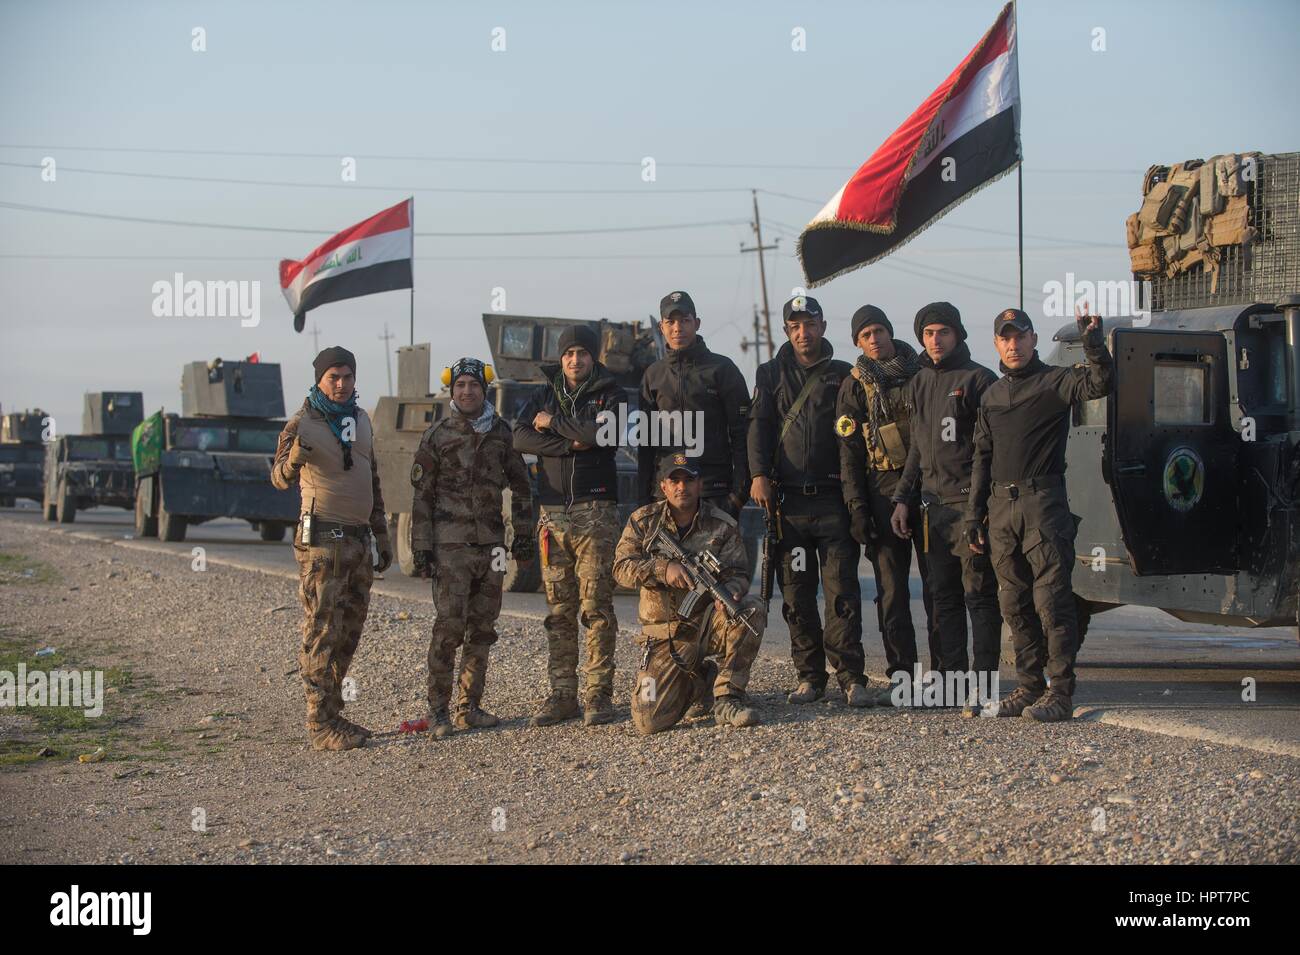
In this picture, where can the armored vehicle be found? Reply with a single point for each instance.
(22, 456)
(1187, 477)
(214, 458)
(94, 468)
(519, 345)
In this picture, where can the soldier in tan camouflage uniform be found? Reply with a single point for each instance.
(327, 449)
(675, 678)
(577, 487)
(462, 467)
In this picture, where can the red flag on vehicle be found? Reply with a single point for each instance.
(964, 136)
(254, 358)
(371, 256)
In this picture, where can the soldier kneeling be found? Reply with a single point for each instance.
(675, 678)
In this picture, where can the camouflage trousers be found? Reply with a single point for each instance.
(576, 547)
(665, 687)
(467, 598)
(334, 581)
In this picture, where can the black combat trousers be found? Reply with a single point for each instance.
(892, 565)
(960, 581)
(1031, 542)
(815, 541)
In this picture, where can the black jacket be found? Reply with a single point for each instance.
(951, 389)
(1024, 421)
(566, 476)
(695, 379)
(810, 453)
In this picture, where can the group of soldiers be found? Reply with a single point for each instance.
(901, 452)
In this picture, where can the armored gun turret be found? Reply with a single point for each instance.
(214, 458)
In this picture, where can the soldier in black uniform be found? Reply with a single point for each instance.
(873, 420)
(1024, 420)
(688, 379)
(945, 395)
(795, 459)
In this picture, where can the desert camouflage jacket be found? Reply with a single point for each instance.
(713, 529)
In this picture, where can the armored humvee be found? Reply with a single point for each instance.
(1187, 477)
(93, 468)
(22, 456)
(214, 459)
(519, 346)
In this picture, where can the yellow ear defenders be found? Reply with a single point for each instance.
(489, 374)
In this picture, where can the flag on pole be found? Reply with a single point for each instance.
(964, 136)
(371, 256)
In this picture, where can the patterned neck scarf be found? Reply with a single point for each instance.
(334, 413)
(481, 423)
(883, 375)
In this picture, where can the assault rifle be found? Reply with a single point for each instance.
(702, 569)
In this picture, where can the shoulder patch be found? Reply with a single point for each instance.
(845, 426)
(423, 461)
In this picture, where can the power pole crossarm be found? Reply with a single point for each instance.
(760, 248)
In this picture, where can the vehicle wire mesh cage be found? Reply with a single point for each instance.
(1269, 269)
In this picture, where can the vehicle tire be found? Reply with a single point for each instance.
(271, 531)
(146, 525)
(8, 501)
(405, 556)
(66, 504)
(171, 527)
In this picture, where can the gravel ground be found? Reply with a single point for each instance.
(203, 721)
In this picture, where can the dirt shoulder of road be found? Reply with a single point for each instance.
(200, 753)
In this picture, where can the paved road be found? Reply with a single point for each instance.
(1138, 668)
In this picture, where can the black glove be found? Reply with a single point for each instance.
(973, 531)
(1094, 338)
(862, 526)
(522, 548)
(385, 550)
(423, 561)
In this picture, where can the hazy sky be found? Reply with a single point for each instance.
(582, 92)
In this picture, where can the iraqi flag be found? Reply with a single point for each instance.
(972, 119)
(371, 256)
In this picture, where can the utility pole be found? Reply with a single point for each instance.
(388, 361)
(760, 248)
(756, 342)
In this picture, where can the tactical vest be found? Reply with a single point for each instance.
(1189, 212)
(895, 435)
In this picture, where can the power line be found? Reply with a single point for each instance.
(427, 235)
(649, 190)
(418, 258)
(529, 161)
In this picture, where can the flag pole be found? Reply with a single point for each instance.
(1020, 228)
(1020, 174)
(412, 201)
